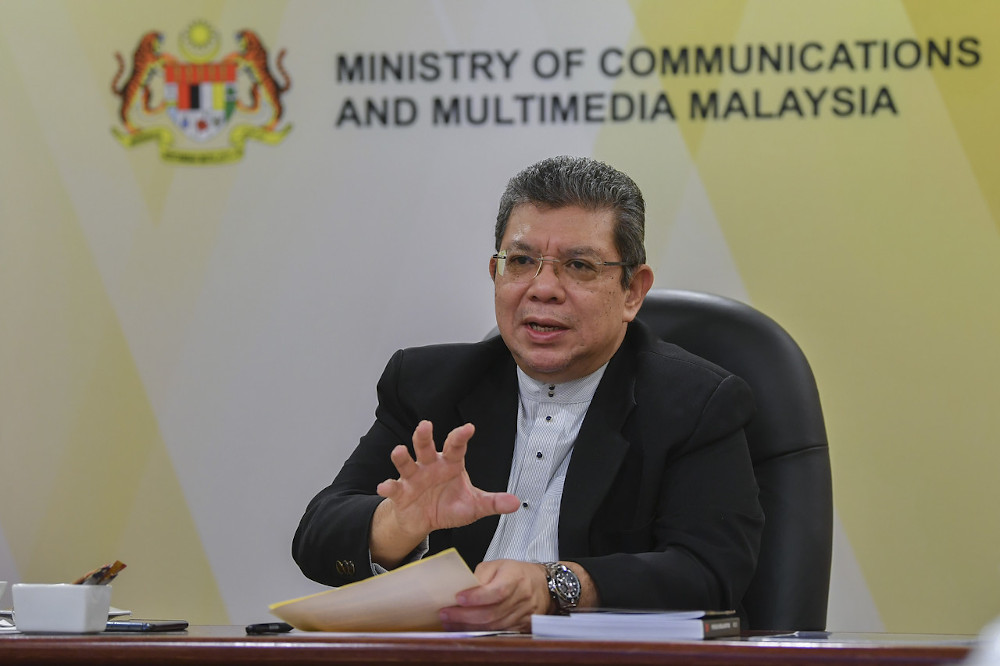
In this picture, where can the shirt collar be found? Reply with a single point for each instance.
(574, 391)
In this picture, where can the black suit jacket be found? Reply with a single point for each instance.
(659, 503)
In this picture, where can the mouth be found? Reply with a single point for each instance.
(545, 327)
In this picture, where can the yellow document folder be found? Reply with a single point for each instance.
(404, 599)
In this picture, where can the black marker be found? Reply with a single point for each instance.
(269, 628)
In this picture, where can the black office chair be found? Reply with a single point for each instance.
(788, 445)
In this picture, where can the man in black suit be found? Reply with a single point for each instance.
(586, 463)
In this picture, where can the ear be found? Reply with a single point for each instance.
(642, 281)
(493, 269)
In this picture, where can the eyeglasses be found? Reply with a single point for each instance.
(518, 267)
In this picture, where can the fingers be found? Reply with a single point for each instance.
(508, 594)
(423, 443)
(457, 442)
(423, 448)
(434, 488)
(387, 488)
(402, 461)
(484, 594)
(404, 464)
(453, 451)
(425, 455)
(503, 503)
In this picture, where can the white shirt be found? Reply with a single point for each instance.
(549, 417)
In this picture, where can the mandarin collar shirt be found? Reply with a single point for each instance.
(548, 421)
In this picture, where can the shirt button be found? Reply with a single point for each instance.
(539, 455)
(525, 505)
(548, 418)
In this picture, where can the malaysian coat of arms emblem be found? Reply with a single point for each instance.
(236, 98)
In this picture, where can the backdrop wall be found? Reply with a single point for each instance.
(197, 296)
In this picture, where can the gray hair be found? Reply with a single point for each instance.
(580, 181)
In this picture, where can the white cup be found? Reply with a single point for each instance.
(61, 608)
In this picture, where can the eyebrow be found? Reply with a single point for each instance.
(580, 251)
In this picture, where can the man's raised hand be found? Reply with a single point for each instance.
(432, 492)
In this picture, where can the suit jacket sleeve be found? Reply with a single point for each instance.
(331, 542)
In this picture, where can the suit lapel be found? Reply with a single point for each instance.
(597, 453)
(600, 447)
(491, 406)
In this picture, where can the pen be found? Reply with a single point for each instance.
(268, 628)
(800, 635)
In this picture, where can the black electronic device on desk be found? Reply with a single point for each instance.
(147, 625)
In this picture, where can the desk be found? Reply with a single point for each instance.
(230, 645)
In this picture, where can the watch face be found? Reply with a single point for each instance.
(564, 586)
(567, 584)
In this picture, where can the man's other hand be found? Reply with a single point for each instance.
(510, 592)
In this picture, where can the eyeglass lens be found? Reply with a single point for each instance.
(522, 267)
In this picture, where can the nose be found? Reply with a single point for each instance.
(541, 266)
(546, 284)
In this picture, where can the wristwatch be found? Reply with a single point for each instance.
(564, 586)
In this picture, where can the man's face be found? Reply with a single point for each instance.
(558, 329)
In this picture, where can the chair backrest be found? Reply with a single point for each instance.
(788, 445)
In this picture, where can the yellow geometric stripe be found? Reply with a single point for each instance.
(971, 98)
(874, 241)
(86, 476)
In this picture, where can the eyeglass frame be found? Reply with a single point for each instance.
(501, 259)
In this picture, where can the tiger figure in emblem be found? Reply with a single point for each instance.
(145, 61)
(253, 56)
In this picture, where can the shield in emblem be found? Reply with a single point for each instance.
(200, 97)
